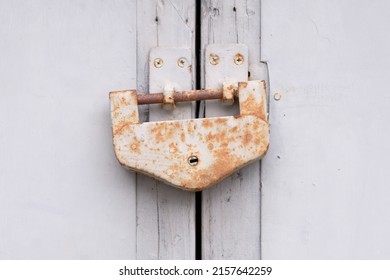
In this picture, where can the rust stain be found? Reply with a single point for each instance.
(158, 133)
(228, 94)
(247, 138)
(126, 100)
(242, 85)
(252, 107)
(133, 115)
(221, 121)
(200, 137)
(230, 87)
(234, 129)
(256, 126)
(250, 104)
(263, 114)
(174, 169)
(191, 127)
(221, 138)
(135, 147)
(207, 123)
(120, 126)
(116, 114)
(173, 148)
(163, 131)
(183, 137)
(220, 169)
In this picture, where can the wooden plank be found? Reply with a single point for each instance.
(231, 209)
(165, 215)
(326, 184)
(63, 194)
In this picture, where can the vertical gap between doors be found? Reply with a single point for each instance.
(198, 65)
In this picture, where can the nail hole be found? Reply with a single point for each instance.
(193, 160)
(277, 96)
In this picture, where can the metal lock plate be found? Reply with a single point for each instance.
(191, 154)
(225, 66)
(170, 70)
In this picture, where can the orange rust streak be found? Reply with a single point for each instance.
(190, 128)
(221, 121)
(253, 108)
(247, 138)
(173, 148)
(183, 137)
(120, 126)
(180, 96)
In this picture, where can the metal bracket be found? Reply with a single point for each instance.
(191, 154)
(170, 70)
(225, 66)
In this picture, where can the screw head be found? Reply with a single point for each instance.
(238, 59)
(181, 62)
(158, 62)
(214, 59)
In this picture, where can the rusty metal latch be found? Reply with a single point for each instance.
(191, 154)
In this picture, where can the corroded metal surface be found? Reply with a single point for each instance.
(191, 154)
(180, 96)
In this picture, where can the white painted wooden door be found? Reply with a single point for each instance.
(167, 226)
(321, 192)
(63, 194)
(325, 191)
(231, 209)
(165, 216)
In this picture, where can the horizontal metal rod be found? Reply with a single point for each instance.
(180, 96)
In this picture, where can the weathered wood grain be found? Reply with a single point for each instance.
(325, 179)
(165, 215)
(231, 209)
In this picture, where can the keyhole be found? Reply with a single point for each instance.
(193, 160)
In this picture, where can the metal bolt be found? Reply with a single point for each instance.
(238, 59)
(193, 160)
(277, 96)
(181, 62)
(158, 62)
(214, 59)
